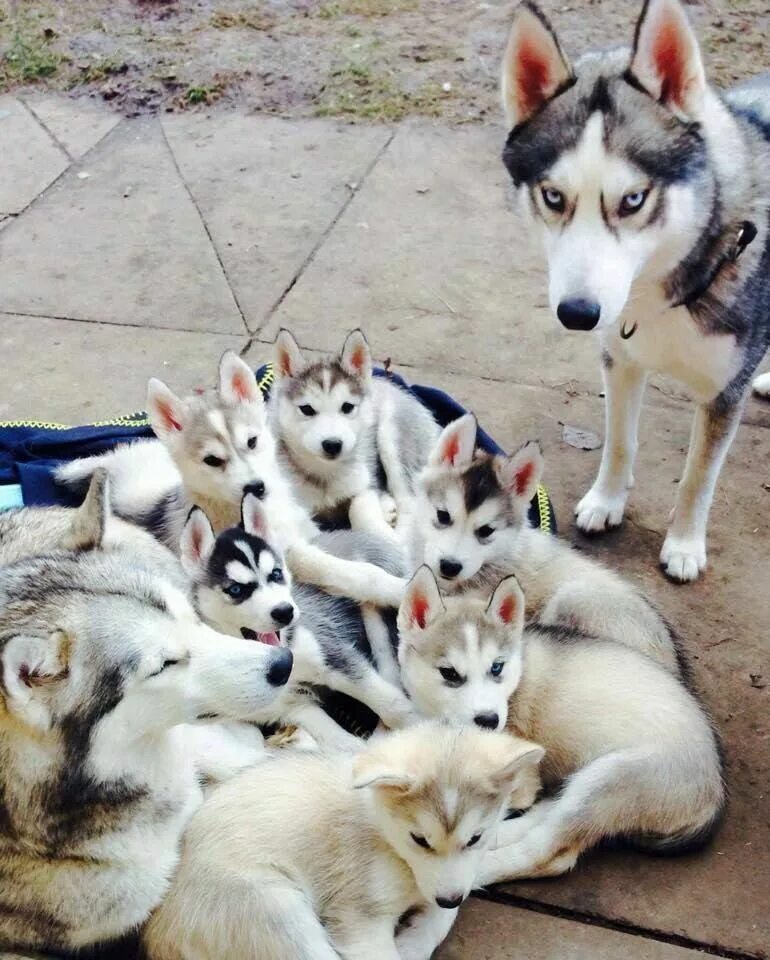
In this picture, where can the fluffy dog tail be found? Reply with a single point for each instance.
(687, 840)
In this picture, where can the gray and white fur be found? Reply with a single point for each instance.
(652, 193)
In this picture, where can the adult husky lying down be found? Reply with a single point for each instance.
(470, 528)
(103, 663)
(318, 857)
(632, 751)
(652, 194)
(210, 450)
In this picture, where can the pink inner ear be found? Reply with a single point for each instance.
(507, 609)
(523, 478)
(670, 60)
(451, 449)
(358, 359)
(532, 76)
(420, 608)
(241, 386)
(167, 416)
(196, 541)
(284, 364)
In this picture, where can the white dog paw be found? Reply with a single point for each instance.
(762, 385)
(598, 512)
(683, 558)
(389, 509)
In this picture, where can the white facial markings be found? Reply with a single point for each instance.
(246, 550)
(218, 423)
(267, 562)
(239, 572)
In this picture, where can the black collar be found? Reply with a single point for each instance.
(741, 238)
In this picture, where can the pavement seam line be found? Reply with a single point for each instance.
(205, 226)
(352, 193)
(49, 133)
(116, 323)
(619, 926)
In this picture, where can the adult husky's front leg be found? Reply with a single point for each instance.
(684, 550)
(603, 506)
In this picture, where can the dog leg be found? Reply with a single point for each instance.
(603, 506)
(426, 931)
(683, 556)
(388, 701)
(327, 733)
(355, 579)
(762, 385)
(378, 635)
(366, 514)
(370, 939)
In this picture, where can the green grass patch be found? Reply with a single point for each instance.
(29, 58)
(357, 92)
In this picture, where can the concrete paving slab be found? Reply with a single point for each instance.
(118, 239)
(31, 160)
(268, 190)
(430, 256)
(490, 931)
(78, 124)
(720, 895)
(72, 372)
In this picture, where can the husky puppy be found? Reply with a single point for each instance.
(651, 191)
(241, 586)
(470, 527)
(103, 666)
(633, 751)
(318, 857)
(336, 424)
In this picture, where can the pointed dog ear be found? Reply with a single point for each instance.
(375, 768)
(287, 356)
(197, 542)
(167, 413)
(422, 602)
(519, 475)
(456, 443)
(534, 65)
(32, 669)
(254, 517)
(506, 605)
(89, 521)
(237, 383)
(666, 60)
(515, 768)
(356, 356)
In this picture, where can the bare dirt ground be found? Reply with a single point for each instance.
(360, 59)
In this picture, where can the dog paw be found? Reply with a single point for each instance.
(598, 512)
(683, 559)
(762, 386)
(389, 509)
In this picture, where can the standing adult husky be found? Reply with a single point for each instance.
(103, 664)
(336, 425)
(652, 194)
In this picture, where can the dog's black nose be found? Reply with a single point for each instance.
(579, 314)
(257, 488)
(450, 903)
(283, 614)
(279, 670)
(449, 568)
(332, 447)
(488, 721)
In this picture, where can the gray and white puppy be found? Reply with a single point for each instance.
(651, 191)
(337, 425)
(629, 748)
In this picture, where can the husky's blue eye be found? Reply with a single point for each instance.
(632, 202)
(420, 841)
(212, 461)
(497, 668)
(251, 443)
(275, 575)
(485, 532)
(443, 518)
(347, 407)
(451, 676)
(553, 199)
(473, 840)
(233, 589)
(307, 410)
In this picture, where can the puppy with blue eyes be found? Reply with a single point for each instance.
(470, 527)
(241, 587)
(338, 427)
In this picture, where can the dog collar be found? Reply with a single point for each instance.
(742, 236)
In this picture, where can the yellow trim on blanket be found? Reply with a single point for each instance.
(544, 508)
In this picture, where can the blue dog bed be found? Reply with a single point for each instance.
(31, 450)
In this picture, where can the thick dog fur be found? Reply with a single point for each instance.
(652, 193)
(318, 857)
(470, 527)
(242, 587)
(103, 666)
(336, 425)
(628, 748)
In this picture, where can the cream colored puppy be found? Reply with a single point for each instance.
(319, 857)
